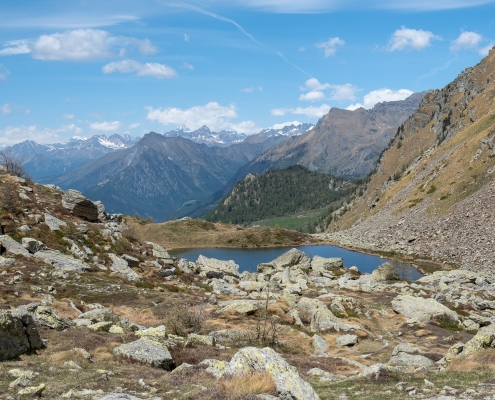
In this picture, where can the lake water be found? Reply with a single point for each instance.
(248, 259)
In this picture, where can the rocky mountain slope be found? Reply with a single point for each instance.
(158, 175)
(343, 143)
(90, 311)
(44, 161)
(432, 193)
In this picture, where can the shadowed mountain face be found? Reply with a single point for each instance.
(343, 142)
(159, 175)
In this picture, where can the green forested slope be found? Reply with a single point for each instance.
(278, 193)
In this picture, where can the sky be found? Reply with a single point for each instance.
(85, 67)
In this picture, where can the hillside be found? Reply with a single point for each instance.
(432, 192)
(159, 175)
(278, 193)
(90, 310)
(343, 142)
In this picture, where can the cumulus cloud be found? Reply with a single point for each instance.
(68, 116)
(312, 96)
(106, 126)
(310, 112)
(406, 39)
(213, 115)
(252, 89)
(336, 92)
(15, 134)
(155, 70)
(187, 66)
(485, 50)
(6, 109)
(330, 46)
(379, 96)
(76, 45)
(471, 41)
(4, 72)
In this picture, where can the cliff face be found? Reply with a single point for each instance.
(432, 192)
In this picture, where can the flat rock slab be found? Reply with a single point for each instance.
(147, 351)
(121, 268)
(54, 223)
(347, 340)
(62, 262)
(12, 246)
(419, 309)
(212, 265)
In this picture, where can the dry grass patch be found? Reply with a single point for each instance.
(248, 384)
(484, 359)
(141, 316)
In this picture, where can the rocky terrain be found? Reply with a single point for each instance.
(89, 311)
(432, 194)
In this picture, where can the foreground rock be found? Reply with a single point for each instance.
(213, 268)
(18, 335)
(62, 262)
(80, 206)
(147, 351)
(418, 309)
(288, 382)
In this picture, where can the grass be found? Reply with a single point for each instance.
(301, 221)
(248, 384)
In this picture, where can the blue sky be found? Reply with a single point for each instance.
(79, 68)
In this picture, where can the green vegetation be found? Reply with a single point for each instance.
(279, 193)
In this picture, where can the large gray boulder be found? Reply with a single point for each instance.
(288, 382)
(322, 264)
(12, 246)
(419, 309)
(241, 306)
(483, 339)
(407, 356)
(320, 317)
(18, 335)
(104, 314)
(385, 273)
(293, 258)
(214, 268)
(155, 250)
(147, 351)
(62, 262)
(54, 223)
(347, 340)
(121, 268)
(80, 206)
(33, 245)
(45, 316)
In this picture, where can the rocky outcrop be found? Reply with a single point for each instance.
(12, 247)
(121, 268)
(80, 206)
(62, 262)
(147, 351)
(214, 268)
(288, 382)
(18, 335)
(385, 272)
(54, 223)
(418, 309)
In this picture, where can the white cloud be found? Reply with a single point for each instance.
(68, 116)
(155, 70)
(77, 45)
(330, 46)
(312, 96)
(485, 50)
(186, 38)
(314, 84)
(284, 124)
(379, 96)
(15, 134)
(248, 127)
(405, 38)
(344, 92)
(252, 89)
(310, 112)
(6, 109)
(134, 125)
(187, 66)
(213, 115)
(105, 126)
(4, 72)
(466, 40)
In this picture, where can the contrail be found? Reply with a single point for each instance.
(230, 21)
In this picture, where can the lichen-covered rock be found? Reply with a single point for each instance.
(346, 340)
(407, 356)
(99, 315)
(385, 273)
(292, 258)
(12, 246)
(211, 266)
(54, 223)
(18, 335)
(147, 351)
(220, 287)
(452, 352)
(62, 262)
(32, 391)
(79, 205)
(155, 250)
(419, 309)
(252, 286)
(121, 268)
(375, 371)
(158, 332)
(33, 245)
(50, 318)
(319, 345)
(202, 339)
(288, 382)
(103, 326)
(215, 367)
(484, 338)
(240, 306)
(323, 375)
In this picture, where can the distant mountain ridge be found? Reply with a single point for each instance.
(343, 143)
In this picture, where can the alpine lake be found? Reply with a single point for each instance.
(248, 259)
